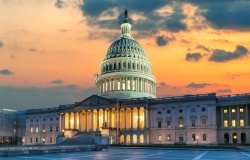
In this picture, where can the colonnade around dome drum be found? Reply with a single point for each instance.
(123, 119)
(126, 83)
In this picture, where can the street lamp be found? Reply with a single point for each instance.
(197, 139)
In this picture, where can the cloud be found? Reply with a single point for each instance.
(224, 91)
(32, 49)
(220, 55)
(59, 4)
(163, 85)
(109, 15)
(195, 57)
(34, 97)
(6, 72)
(197, 85)
(202, 47)
(1, 44)
(57, 81)
(163, 40)
(226, 14)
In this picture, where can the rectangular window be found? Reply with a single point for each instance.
(133, 85)
(241, 110)
(168, 111)
(159, 124)
(180, 122)
(233, 110)
(204, 137)
(31, 140)
(31, 129)
(44, 128)
(204, 122)
(225, 111)
(225, 123)
(50, 128)
(128, 85)
(57, 128)
(233, 123)
(50, 140)
(193, 137)
(37, 129)
(36, 139)
(181, 138)
(118, 85)
(193, 122)
(159, 112)
(168, 124)
(242, 123)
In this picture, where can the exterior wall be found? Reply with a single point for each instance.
(199, 118)
(41, 128)
(233, 119)
(8, 127)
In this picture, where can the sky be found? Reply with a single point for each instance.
(51, 50)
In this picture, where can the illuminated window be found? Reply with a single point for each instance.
(31, 129)
(123, 84)
(241, 110)
(128, 85)
(180, 122)
(133, 85)
(225, 123)
(233, 123)
(118, 86)
(233, 110)
(193, 137)
(37, 129)
(242, 123)
(225, 111)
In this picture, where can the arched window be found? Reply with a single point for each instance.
(122, 139)
(110, 67)
(134, 139)
(243, 138)
(124, 65)
(129, 65)
(137, 66)
(141, 139)
(119, 65)
(133, 66)
(128, 139)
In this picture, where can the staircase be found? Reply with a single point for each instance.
(82, 138)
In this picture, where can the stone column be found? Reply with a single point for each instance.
(92, 120)
(86, 120)
(237, 117)
(60, 121)
(246, 115)
(75, 125)
(125, 118)
(80, 121)
(131, 117)
(98, 127)
(104, 112)
(222, 119)
(138, 118)
(229, 117)
(145, 118)
(110, 117)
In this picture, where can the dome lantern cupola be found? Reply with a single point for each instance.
(125, 70)
(126, 26)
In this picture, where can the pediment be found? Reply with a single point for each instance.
(94, 100)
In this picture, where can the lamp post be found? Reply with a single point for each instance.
(197, 140)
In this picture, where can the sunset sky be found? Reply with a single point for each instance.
(51, 50)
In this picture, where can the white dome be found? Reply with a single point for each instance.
(126, 71)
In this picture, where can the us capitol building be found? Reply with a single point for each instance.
(127, 111)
